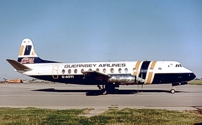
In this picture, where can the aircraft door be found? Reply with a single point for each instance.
(55, 72)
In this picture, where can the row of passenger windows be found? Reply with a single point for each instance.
(111, 70)
(98, 70)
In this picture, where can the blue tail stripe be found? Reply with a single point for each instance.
(28, 50)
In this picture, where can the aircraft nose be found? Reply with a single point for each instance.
(192, 76)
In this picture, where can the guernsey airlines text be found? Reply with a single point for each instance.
(107, 74)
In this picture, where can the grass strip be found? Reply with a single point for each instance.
(34, 116)
(195, 82)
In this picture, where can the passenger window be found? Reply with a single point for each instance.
(97, 69)
(119, 70)
(112, 70)
(104, 70)
(126, 70)
(82, 70)
(63, 71)
(69, 71)
(75, 71)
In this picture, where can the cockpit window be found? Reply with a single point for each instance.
(178, 65)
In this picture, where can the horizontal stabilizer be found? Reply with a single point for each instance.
(18, 66)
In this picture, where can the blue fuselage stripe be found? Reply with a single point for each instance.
(144, 69)
(163, 78)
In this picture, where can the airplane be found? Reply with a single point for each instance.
(106, 75)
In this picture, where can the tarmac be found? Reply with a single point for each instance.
(69, 96)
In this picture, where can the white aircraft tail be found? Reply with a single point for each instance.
(27, 54)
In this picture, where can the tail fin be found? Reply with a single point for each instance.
(27, 54)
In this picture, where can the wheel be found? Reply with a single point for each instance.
(172, 91)
(109, 88)
(105, 92)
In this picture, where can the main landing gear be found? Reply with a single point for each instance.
(108, 88)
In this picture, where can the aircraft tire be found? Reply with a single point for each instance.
(172, 91)
(105, 92)
(110, 88)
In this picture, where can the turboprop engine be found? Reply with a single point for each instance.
(125, 79)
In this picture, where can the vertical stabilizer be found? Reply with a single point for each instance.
(27, 54)
(27, 49)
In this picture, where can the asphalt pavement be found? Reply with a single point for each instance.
(67, 96)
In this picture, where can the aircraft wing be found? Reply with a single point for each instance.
(96, 75)
(18, 66)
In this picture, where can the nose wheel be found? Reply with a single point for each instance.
(172, 91)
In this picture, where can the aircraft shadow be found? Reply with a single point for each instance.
(100, 92)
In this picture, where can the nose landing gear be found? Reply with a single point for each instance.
(172, 91)
(177, 84)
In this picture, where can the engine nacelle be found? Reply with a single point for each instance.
(124, 79)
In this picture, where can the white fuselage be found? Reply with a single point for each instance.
(146, 70)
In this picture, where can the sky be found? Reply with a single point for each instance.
(102, 30)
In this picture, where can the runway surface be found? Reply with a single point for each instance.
(62, 96)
